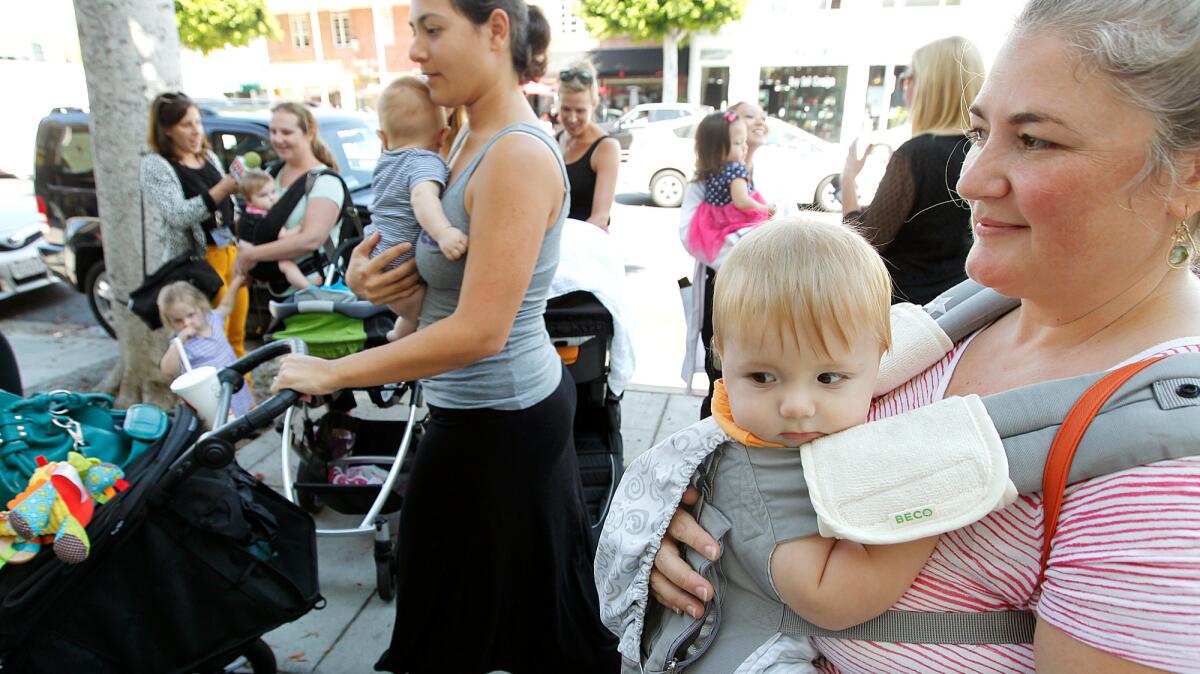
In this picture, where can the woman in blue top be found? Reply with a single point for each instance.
(495, 475)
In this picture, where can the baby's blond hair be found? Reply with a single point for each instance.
(407, 114)
(252, 182)
(817, 281)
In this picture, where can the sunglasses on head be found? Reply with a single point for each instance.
(582, 75)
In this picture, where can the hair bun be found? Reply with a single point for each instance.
(537, 40)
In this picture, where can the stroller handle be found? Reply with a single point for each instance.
(215, 449)
(233, 377)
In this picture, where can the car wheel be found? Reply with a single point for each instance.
(826, 197)
(667, 188)
(100, 297)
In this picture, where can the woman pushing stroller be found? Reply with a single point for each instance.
(500, 402)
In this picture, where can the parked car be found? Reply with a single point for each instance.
(647, 114)
(66, 187)
(794, 166)
(21, 269)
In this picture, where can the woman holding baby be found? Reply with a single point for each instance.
(1083, 180)
(494, 549)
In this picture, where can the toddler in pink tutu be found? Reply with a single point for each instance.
(730, 202)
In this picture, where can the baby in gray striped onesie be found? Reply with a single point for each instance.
(408, 183)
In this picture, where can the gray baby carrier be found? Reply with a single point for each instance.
(1152, 416)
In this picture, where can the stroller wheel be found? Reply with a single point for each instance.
(258, 657)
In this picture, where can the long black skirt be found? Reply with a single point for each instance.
(495, 570)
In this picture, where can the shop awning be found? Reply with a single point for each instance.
(638, 62)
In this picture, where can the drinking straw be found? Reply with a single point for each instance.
(187, 365)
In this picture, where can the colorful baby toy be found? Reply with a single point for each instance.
(56, 507)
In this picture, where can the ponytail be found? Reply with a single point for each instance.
(529, 32)
(323, 154)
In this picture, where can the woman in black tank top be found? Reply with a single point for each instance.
(592, 157)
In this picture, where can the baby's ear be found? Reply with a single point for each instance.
(442, 135)
(382, 138)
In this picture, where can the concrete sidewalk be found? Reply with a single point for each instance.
(349, 634)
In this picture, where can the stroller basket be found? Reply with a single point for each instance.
(376, 444)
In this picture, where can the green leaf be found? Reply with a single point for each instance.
(206, 25)
(654, 19)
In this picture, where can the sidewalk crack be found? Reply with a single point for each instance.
(338, 639)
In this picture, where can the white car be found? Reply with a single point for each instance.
(21, 224)
(649, 115)
(794, 166)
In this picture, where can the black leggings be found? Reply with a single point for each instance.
(495, 568)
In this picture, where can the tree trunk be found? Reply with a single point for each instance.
(670, 59)
(130, 52)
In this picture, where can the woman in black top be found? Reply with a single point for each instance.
(592, 157)
(916, 221)
(183, 181)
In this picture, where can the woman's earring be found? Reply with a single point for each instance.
(1183, 246)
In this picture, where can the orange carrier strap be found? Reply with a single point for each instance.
(1062, 450)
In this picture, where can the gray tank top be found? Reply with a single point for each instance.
(528, 368)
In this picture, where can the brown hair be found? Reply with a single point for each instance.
(253, 182)
(308, 124)
(180, 292)
(166, 110)
(456, 121)
(529, 32)
(712, 143)
(407, 113)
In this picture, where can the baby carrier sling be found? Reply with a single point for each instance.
(1143, 413)
(266, 229)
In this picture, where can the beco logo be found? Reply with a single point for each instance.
(915, 515)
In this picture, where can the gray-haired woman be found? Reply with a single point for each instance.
(1084, 185)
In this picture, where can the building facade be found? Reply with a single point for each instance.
(831, 66)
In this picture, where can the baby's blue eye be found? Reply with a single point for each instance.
(830, 377)
(762, 377)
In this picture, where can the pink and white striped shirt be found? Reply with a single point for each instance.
(1123, 575)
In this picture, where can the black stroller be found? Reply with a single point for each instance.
(582, 331)
(189, 567)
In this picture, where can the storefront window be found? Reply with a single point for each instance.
(716, 87)
(897, 106)
(810, 97)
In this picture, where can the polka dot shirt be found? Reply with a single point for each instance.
(716, 188)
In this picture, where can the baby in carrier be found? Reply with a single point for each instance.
(800, 323)
(258, 189)
(407, 185)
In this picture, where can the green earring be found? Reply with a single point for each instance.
(1182, 246)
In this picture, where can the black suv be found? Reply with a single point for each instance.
(66, 188)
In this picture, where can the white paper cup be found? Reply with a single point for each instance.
(201, 389)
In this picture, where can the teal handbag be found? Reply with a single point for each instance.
(52, 424)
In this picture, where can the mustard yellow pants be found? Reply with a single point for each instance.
(222, 260)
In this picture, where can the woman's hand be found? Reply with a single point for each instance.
(672, 581)
(306, 374)
(224, 188)
(854, 163)
(245, 258)
(368, 279)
